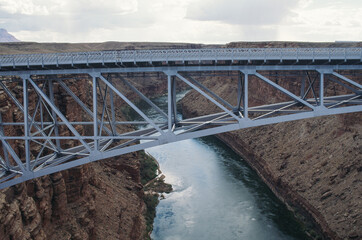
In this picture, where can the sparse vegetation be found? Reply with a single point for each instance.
(151, 201)
(148, 169)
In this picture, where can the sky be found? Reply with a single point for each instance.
(195, 21)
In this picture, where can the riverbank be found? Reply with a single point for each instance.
(312, 165)
(153, 187)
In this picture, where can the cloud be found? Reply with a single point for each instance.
(69, 16)
(337, 20)
(26, 7)
(242, 12)
(205, 21)
(68, 7)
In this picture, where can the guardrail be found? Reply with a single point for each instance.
(180, 55)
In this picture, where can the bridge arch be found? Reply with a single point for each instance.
(34, 86)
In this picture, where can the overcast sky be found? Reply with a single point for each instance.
(201, 21)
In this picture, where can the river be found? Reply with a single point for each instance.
(216, 195)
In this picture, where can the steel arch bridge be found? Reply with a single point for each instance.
(28, 83)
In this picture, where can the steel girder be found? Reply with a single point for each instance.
(45, 129)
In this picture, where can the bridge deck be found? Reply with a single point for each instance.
(181, 57)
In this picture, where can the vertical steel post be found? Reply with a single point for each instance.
(41, 114)
(169, 102)
(113, 113)
(26, 122)
(245, 99)
(302, 88)
(174, 100)
(56, 128)
(6, 157)
(321, 89)
(240, 92)
(95, 122)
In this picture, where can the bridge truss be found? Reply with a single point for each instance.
(41, 137)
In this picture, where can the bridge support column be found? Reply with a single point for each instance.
(170, 102)
(174, 106)
(26, 122)
(113, 113)
(240, 95)
(321, 89)
(245, 96)
(54, 115)
(302, 88)
(95, 119)
(6, 157)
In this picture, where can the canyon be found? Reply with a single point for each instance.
(313, 165)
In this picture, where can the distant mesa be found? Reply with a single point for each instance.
(7, 37)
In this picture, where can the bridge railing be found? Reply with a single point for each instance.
(180, 55)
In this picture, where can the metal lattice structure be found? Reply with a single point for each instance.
(29, 81)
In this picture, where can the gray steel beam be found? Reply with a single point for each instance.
(12, 152)
(144, 97)
(359, 86)
(81, 104)
(286, 92)
(105, 111)
(208, 91)
(246, 96)
(61, 116)
(169, 102)
(95, 117)
(207, 96)
(302, 88)
(174, 104)
(6, 157)
(26, 122)
(20, 106)
(321, 89)
(111, 98)
(53, 114)
(305, 67)
(344, 85)
(200, 133)
(130, 103)
(240, 92)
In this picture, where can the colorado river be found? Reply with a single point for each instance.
(216, 194)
